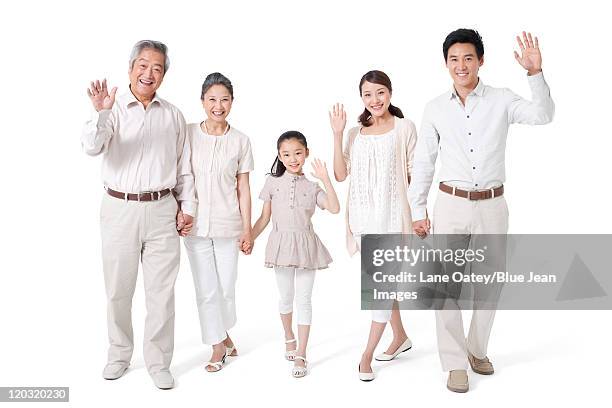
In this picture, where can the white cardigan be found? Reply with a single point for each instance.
(406, 142)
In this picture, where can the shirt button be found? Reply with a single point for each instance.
(468, 116)
(476, 184)
(472, 150)
(470, 133)
(473, 168)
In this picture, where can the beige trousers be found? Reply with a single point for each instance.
(131, 232)
(456, 215)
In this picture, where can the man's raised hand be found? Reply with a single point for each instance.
(99, 95)
(530, 58)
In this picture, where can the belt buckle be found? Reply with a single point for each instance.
(146, 192)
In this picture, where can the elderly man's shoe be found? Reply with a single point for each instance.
(112, 371)
(458, 381)
(163, 380)
(480, 366)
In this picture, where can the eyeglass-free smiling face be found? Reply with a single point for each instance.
(376, 98)
(463, 64)
(217, 103)
(293, 155)
(147, 73)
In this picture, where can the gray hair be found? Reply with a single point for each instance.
(217, 78)
(156, 45)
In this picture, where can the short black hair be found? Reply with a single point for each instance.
(463, 35)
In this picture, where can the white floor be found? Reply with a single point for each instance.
(541, 357)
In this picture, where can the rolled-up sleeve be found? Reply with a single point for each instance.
(185, 186)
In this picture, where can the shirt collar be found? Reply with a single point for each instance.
(478, 91)
(128, 99)
(293, 176)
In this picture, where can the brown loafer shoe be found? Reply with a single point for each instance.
(458, 381)
(480, 366)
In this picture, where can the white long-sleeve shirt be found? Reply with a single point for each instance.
(471, 139)
(144, 149)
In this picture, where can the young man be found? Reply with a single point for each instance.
(468, 127)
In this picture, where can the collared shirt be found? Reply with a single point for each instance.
(471, 139)
(144, 149)
(294, 199)
(217, 161)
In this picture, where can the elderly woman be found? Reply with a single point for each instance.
(221, 160)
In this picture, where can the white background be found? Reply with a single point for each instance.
(289, 63)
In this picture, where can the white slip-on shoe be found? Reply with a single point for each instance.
(163, 380)
(112, 371)
(405, 346)
(290, 355)
(365, 376)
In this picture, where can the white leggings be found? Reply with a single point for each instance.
(295, 282)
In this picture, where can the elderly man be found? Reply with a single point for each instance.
(145, 169)
(467, 126)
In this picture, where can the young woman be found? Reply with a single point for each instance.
(378, 157)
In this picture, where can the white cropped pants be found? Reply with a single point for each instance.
(214, 265)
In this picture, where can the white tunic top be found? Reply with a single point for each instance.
(374, 201)
(216, 161)
(382, 181)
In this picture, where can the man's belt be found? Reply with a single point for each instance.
(144, 196)
(473, 195)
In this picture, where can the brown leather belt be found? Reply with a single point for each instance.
(145, 196)
(473, 195)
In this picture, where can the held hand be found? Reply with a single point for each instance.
(421, 227)
(99, 96)
(319, 170)
(337, 119)
(530, 57)
(188, 219)
(245, 242)
(180, 220)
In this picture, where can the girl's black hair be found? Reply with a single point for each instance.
(377, 77)
(278, 168)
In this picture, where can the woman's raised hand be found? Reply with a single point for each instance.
(337, 119)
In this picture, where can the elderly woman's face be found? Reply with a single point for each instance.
(217, 103)
(376, 98)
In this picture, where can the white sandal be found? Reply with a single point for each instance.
(290, 354)
(230, 350)
(299, 372)
(217, 365)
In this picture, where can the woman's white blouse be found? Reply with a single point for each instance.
(216, 161)
(374, 201)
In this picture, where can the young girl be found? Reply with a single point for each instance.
(294, 250)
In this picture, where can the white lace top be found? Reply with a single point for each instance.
(374, 201)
